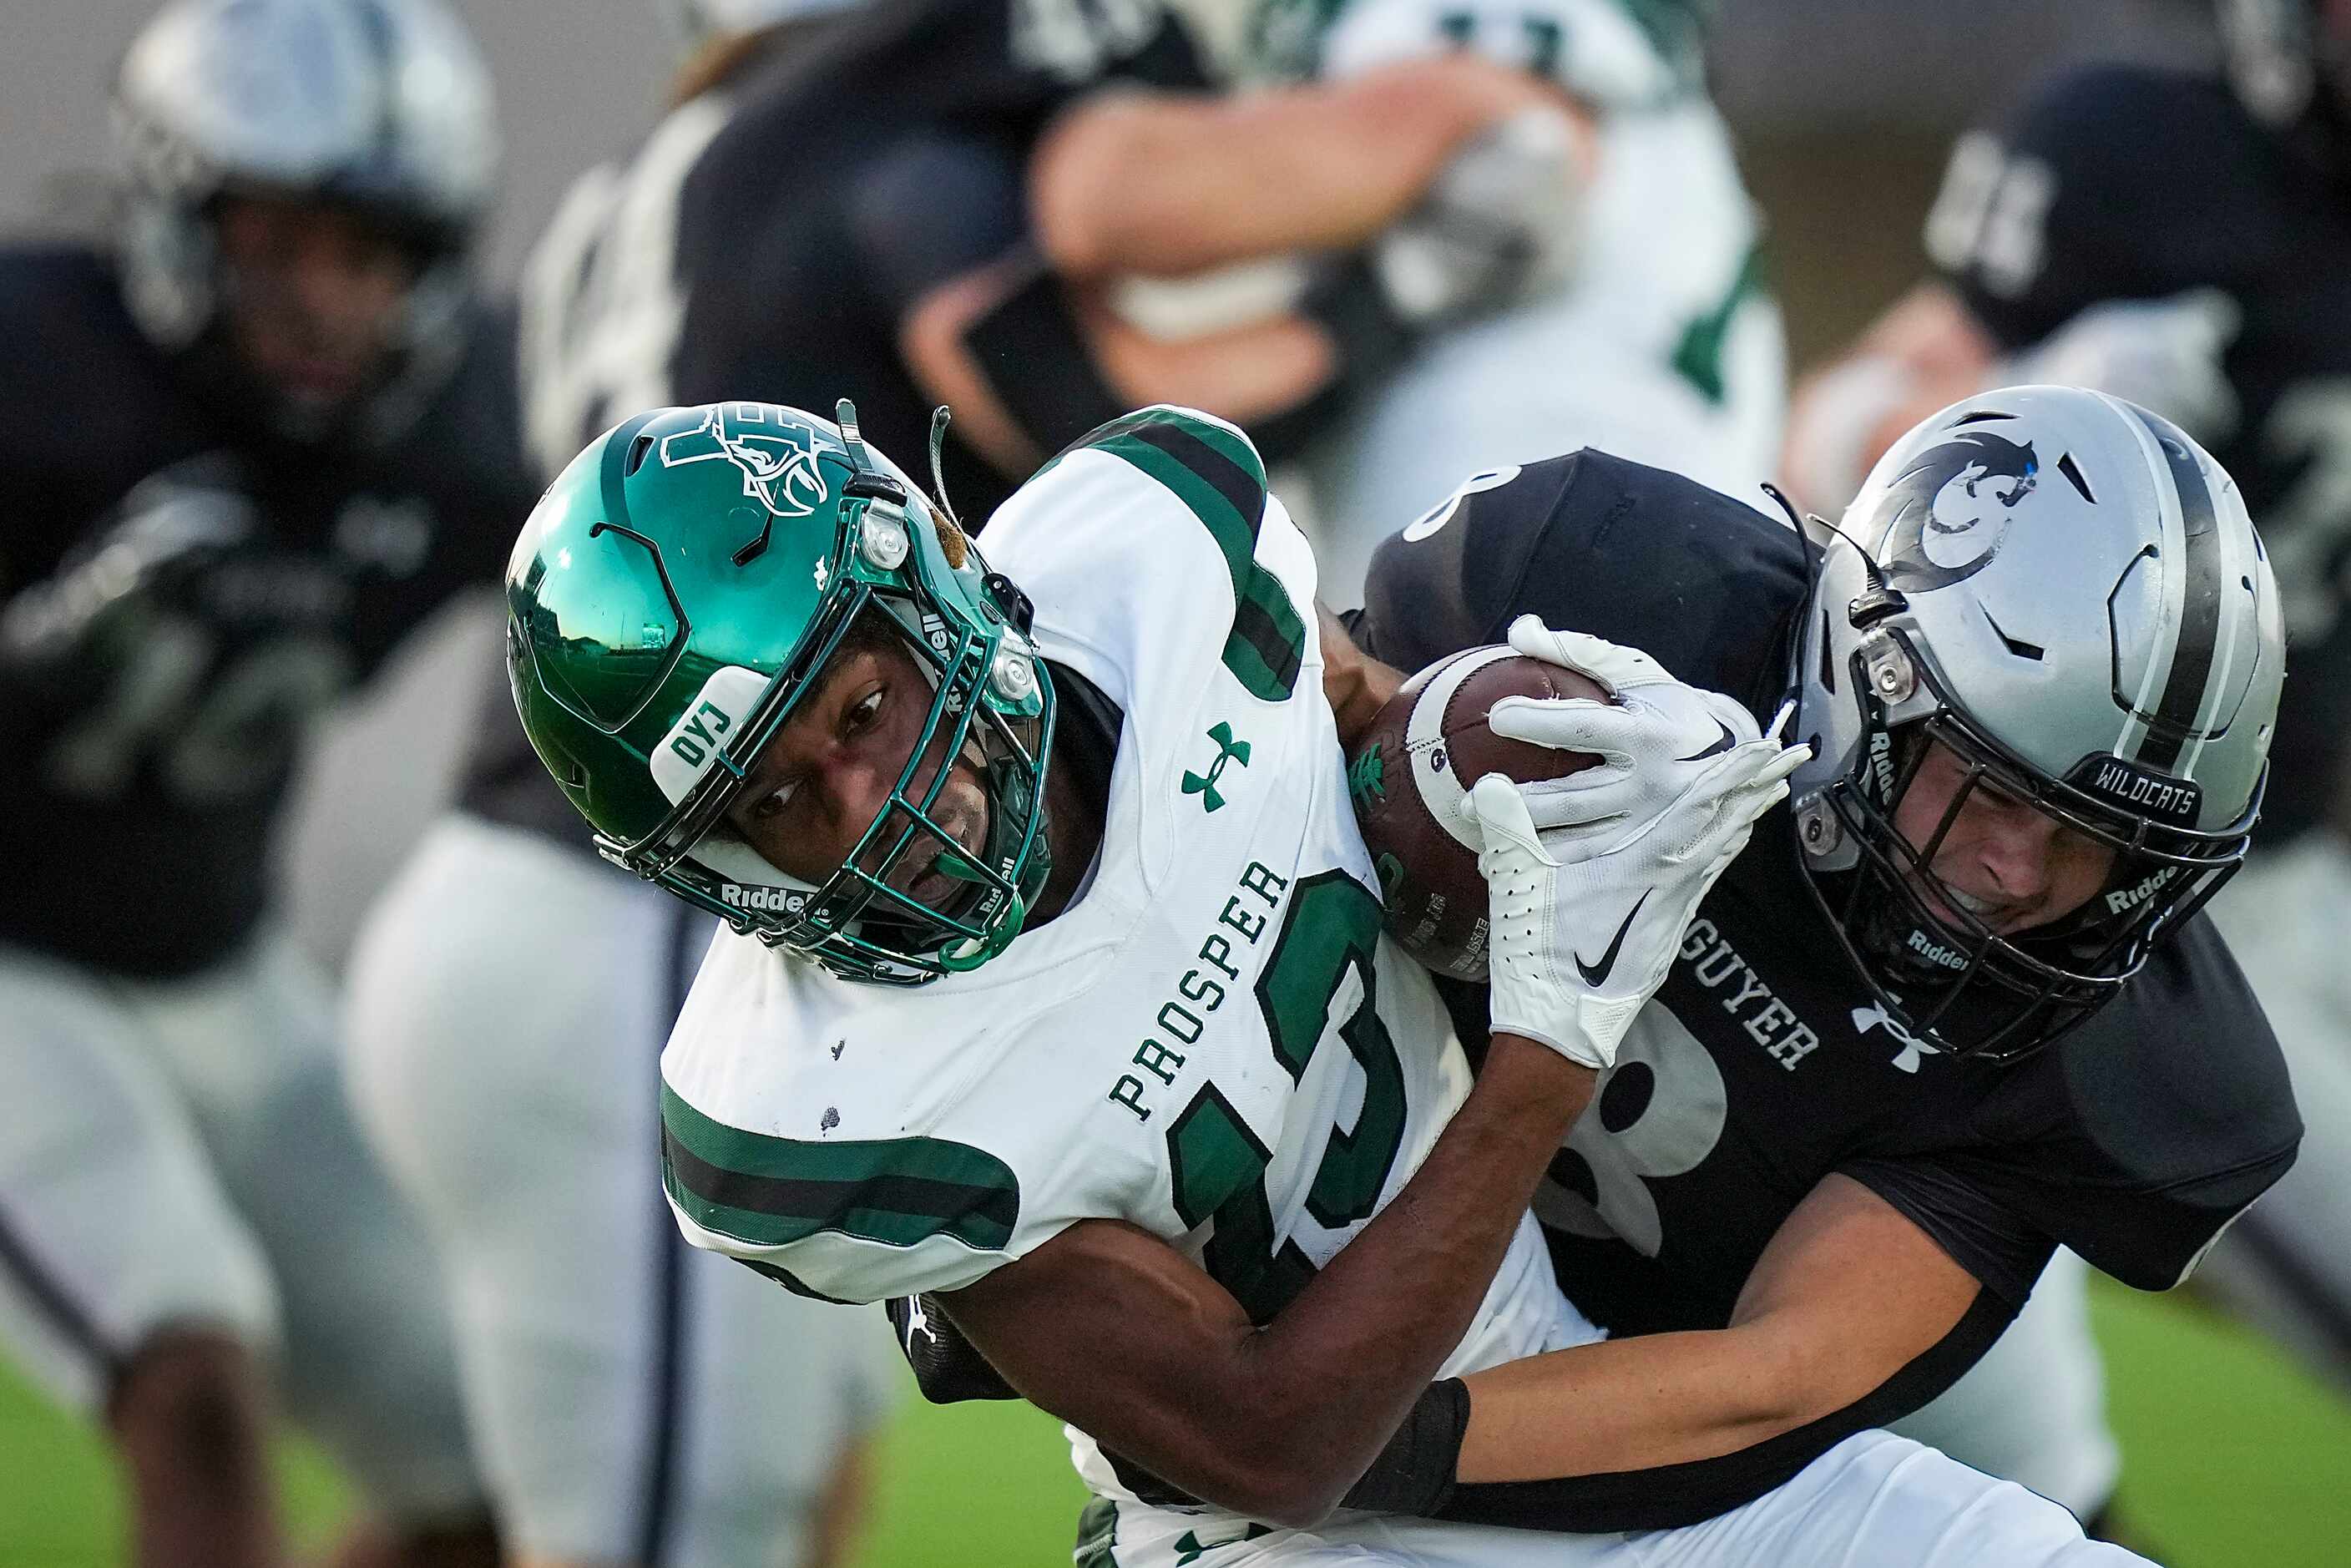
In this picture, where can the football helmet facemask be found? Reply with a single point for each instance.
(684, 585)
(2065, 593)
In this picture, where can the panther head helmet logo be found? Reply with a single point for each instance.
(778, 457)
(1947, 514)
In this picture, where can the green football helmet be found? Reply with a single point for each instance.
(673, 597)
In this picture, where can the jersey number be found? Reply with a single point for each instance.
(1078, 40)
(600, 306)
(1330, 933)
(1658, 1112)
(1992, 215)
(213, 734)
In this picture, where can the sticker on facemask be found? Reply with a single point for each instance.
(706, 728)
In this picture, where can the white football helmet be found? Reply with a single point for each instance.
(381, 105)
(2064, 591)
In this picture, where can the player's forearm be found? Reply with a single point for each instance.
(1630, 1405)
(1165, 184)
(1333, 1374)
(1849, 1293)
(1118, 1334)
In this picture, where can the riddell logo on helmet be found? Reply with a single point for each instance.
(774, 900)
(2125, 899)
(1881, 762)
(1934, 952)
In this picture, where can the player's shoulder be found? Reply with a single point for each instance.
(1156, 533)
(36, 277)
(2172, 1110)
(1639, 555)
(92, 405)
(465, 449)
(796, 1138)
(2105, 104)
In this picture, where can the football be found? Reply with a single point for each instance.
(1428, 745)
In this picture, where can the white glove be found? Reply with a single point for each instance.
(2163, 354)
(1587, 915)
(1503, 219)
(1653, 741)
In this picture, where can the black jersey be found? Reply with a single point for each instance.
(766, 240)
(1765, 1065)
(136, 809)
(2119, 182)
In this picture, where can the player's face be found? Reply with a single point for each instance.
(311, 294)
(830, 770)
(2013, 866)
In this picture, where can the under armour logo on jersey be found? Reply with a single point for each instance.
(1227, 750)
(1190, 1548)
(1914, 1049)
(778, 457)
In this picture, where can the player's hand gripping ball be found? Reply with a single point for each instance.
(1425, 750)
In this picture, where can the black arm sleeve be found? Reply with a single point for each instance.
(948, 1368)
(1672, 1495)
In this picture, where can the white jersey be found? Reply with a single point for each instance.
(1214, 1042)
(1662, 345)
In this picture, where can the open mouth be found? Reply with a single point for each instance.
(932, 871)
(1962, 911)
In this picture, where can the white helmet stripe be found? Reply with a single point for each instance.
(2187, 688)
(2171, 548)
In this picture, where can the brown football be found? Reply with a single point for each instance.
(1428, 745)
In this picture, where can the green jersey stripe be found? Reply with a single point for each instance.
(1097, 1535)
(772, 1191)
(1218, 475)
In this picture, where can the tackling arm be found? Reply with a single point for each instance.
(1165, 184)
(1115, 1331)
(1847, 1294)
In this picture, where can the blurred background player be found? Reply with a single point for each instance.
(838, 198)
(1656, 341)
(634, 1403)
(249, 448)
(2062, 256)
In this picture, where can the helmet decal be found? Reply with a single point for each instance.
(1951, 509)
(705, 729)
(778, 456)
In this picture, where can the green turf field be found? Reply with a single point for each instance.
(2230, 1459)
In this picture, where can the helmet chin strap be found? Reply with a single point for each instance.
(970, 955)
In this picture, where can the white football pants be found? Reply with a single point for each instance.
(634, 1400)
(181, 1154)
(1875, 1500)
